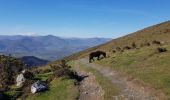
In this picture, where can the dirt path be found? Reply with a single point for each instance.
(130, 90)
(89, 88)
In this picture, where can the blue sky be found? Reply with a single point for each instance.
(80, 18)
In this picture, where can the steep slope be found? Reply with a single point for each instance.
(159, 32)
(144, 66)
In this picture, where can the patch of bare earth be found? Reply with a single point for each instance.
(131, 88)
(89, 88)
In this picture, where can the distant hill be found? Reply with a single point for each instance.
(45, 47)
(31, 61)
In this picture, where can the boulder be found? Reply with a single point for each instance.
(20, 80)
(38, 87)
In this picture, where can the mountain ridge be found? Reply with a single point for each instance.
(45, 47)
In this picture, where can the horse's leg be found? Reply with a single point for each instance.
(90, 58)
(98, 57)
(93, 59)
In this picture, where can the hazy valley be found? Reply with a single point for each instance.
(45, 47)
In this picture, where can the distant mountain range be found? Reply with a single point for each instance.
(45, 47)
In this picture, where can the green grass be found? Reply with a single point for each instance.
(14, 92)
(144, 64)
(60, 89)
(43, 76)
(106, 84)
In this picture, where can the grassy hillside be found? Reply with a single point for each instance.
(159, 32)
(144, 62)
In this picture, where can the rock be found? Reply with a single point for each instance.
(23, 71)
(20, 80)
(38, 87)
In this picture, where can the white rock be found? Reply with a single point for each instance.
(23, 71)
(20, 80)
(33, 89)
(38, 87)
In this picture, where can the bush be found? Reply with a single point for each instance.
(40, 71)
(28, 75)
(113, 51)
(134, 45)
(63, 70)
(126, 48)
(156, 42)
(9, 68)
(160, 50)
(118, 48)
(26, 88)
(46, 70)
(145, 44)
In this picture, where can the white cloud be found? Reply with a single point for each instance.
(29, 34)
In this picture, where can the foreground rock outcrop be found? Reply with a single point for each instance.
(20, 79)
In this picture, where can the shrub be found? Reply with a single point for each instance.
(156, 42)
(126, 48)
(63, 70)
(46, 70)
(118, 48)
(141, 45)
(40, 71)
(160, 50)
(28, 75)
(9, 68)
(145, 44)
(134, 45)
(26, 88)
(113, 51)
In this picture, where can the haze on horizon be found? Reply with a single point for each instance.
(80, 18)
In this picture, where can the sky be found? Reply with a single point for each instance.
(80, 18)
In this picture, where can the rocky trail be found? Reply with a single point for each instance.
(89, 88)
(130, 88)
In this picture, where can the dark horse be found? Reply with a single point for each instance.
(96, 54)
